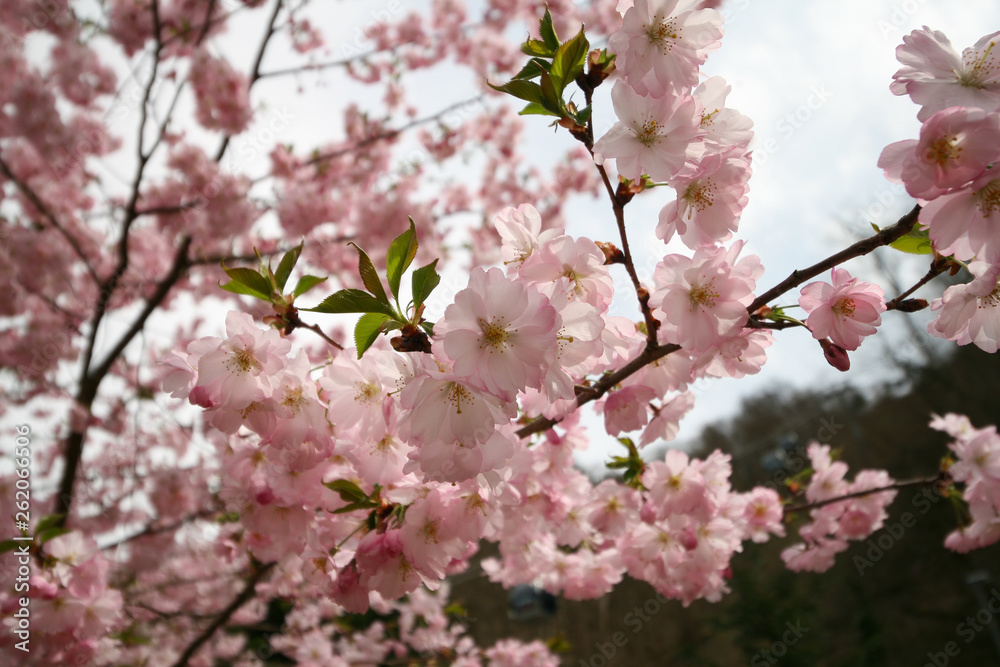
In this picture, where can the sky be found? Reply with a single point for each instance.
(813, 76)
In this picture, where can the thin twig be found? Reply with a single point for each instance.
(937, 268)
(255, 72)
(862, 247)
(50, 216)
(895, 486)
(245, 595)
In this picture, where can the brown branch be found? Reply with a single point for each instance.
(938, 266)
(299, 324)
(245, 596)
(255, 72)
(602, 386)
(90, 381)
(37, 202)
(895, 486)
(859, 249)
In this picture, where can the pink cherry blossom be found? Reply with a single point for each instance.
(501, 334)
(846, 311)
(955, 147)
(935, 77)
(711, 195)
(702, 300)
(970, 313)
(662, 43)
(966, 222)
(654, 135)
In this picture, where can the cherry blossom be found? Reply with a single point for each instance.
(500, 333)
(654, 135)
(936, 78)
(662, 43)
(845, 311)
(955, 147)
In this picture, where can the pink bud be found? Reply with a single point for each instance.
(835, 355)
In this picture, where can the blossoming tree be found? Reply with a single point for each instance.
(324, 476)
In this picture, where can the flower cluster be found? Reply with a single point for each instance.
(834, 523)
(951, 170)
(977, 467)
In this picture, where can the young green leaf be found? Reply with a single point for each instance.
(425, 279)
(551, 95)
(347, 490)
(240, 288)
(306, 283)
(916, 242)
(547, 31)
(251, 279)
(369, 276)
(367, 329)
(532, 69)
(536, 48)
(286, 265)
(402, 250)
(569, 60)
(48, 521)
(537, 110)
(351, 301)
(529, 91)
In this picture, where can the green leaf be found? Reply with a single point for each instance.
(367, 329)
(402, 250)
(369, 276)
(306, 283)
(47, 522)
(529, 91)
(537, 110)
(251, 279)
(583, 115)
(916, 242)
(351, 301)
(348, 491)
(425, 279)
(286, 265)
(551, 96)
(353, 507)
(532, 69)
(537, 48)
(44, 536)
(547, 31)
(9, 545)
(569, 60)
(240, 288)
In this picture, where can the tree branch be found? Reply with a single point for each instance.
(245, 595)
(37, 202)
(863, 247)
(895, 486)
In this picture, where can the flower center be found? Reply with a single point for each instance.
(366, 392)
(649, 134)
(664, 33)
(495, 334)
(943, 151)
(844, 307)
(700, 194)
(978, 68)
(242, 361)
(456, 394)
(989, 198)
(703, 295)
(293, 399)
(991, 300)
(707, 118)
